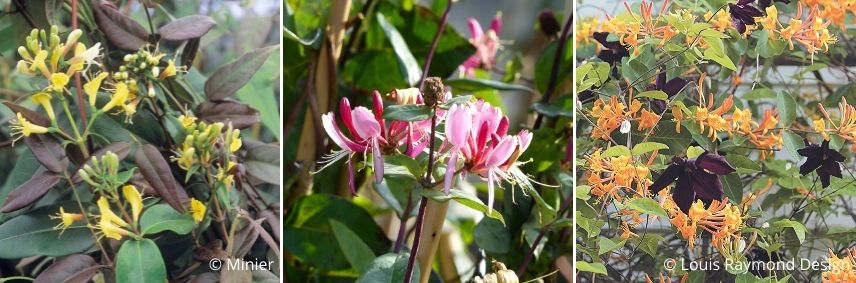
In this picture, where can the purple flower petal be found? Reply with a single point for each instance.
(683, 194)
(714, 163)
(669, 175)
(707, 186)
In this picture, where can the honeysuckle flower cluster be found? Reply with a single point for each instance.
(811, 32)
(610, 116)
(208, 147)
(721, 219)
(845, 126)
(617, 177)
(476, 139)
(840, 269)
(486, 43)
(370, 135)
(478, 133)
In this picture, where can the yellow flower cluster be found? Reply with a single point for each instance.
(610, 116)
(834, 10)
(811, 32)
(585, 29)
(721, 219)
(845, 126)
(721, 21)
(633, 28)
(110, 224)
(841, 269)
(610, 175)
(760, 134)
(197, 210)
(67, 219)
(45, 55)
(199, 147)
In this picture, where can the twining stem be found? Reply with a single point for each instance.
(78, 139)
(434, 43)
(554, 70)
(423, 203)
(89, 224)
(402, 227)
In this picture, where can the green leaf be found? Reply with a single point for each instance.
(733, 187)
(759, 93)
(743, 164)
(552, 110)
(787, 108)
(466, 199)
(719, 56)
(798, 227)
(140, 261)
(766, 47)
(606, 245)
(618, 150)
(647, 206)
(492, 236)
(655, 94)
(388, 268)
(475, 84)
(647, 147)
(162, 217)
(355, 250)
(407, 63)
(596, 267)
(649, 244)
(407, 112)
(311, 237)
(33, 234)
(792, 142)
(545, 62)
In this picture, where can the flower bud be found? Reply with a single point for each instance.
(24, 54)
(73, 36)
(127, 58)
(433, 91)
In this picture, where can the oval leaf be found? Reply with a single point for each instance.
(787, 107)
(407, 112)
(647, 147)
(406, 61)
(67, 267)
(185, 28)
(231, 77)
(647, 206)
(241, 115)
(156, 171)
(162, 217)
(34, 234)
(388, 268)
(140, 261)
(48, 151)
(263, 163)
(120, 29)
(30, 191)
(355, 250)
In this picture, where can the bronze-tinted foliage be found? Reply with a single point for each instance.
(231, 77)
(121, 30)
(30, 191)
(48, 151)
(241, 116)
(31, 115)
(156, 171)
(185, 28)
(76, 268)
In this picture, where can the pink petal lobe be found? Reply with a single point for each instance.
(365, 123)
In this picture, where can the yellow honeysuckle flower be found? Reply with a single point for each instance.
(197, 210)
(169, 71)
(111, 230)
(39, 63)
(24, 128)
(120, 95)
(44, 99)
(108, 215)
(67, 219)
(83, 56)
(133, 197)
(186, 158)
(91, 88)
(188, 122)
(59, 81)
(236, 143)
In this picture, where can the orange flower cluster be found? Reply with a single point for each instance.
(841, 269)
(846, 126)
(666, 279)
(722, 220)
(610, 175)
(761, 134)
(610, 116)
(812, 32)
(630, 31)
(834, 10)
(585, 29)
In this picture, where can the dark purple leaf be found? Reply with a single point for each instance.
(241, 115)
(30, 191)
(76, 266)
(48, 151)
(120, 29)
(185, 28)
(231, 77)
(157, 172)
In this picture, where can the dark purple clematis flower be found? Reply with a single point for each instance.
(671, 88)
(613, 51)
(821, 159)
(743, 13)
(697, 178)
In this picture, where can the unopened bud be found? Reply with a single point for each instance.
(433, 91)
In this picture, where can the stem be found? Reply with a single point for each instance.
(554, 71)
(77, 83)
(419, 219)
(78, 139)
(565, 205)
(434, 43)
(403, 226)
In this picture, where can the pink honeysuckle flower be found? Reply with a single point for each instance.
(486, 45)
(487, 149)
(369, 134)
